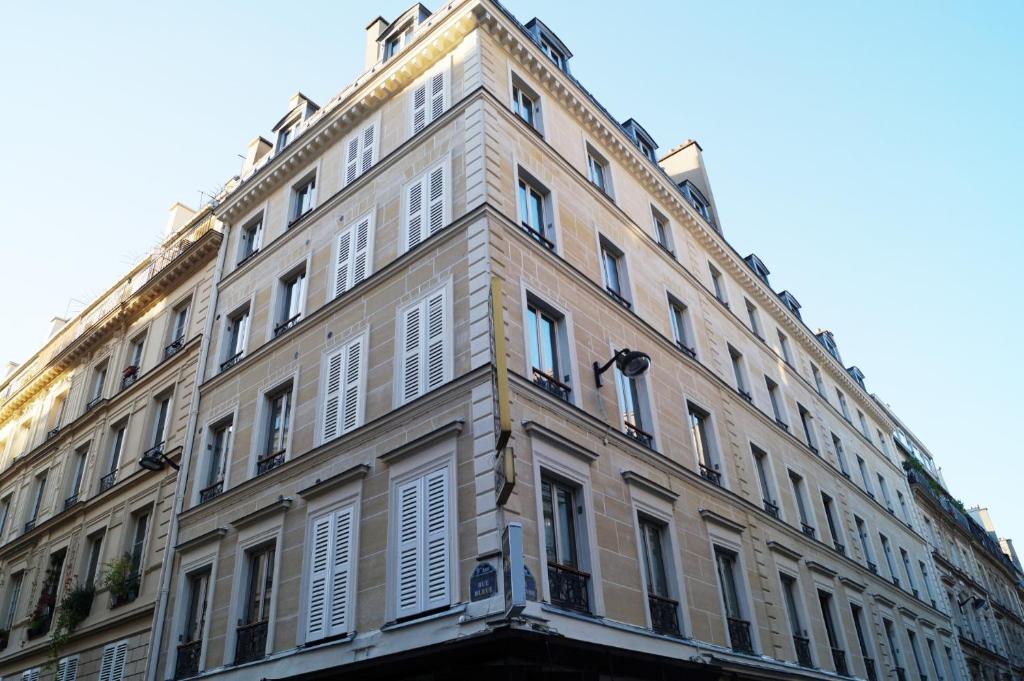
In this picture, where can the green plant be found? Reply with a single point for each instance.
(75, 605)
(120, 578)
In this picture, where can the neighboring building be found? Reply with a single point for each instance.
(981, 582)
(108, 388)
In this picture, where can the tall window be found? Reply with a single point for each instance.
(549, 364)
(787, 353)
(862, 641)
(864, 425)
(635, 409)
(138, 545)
(195, 609)
(218, 446)
(236, 331)
(160, 414)
(801, 643)
(926, 581)
(889, 560)
(834, 642)
(424, 348)
(934, 656)
(885, 492)
(865, 544)
(135, 351)
(112, 661)
(77, 473)
(703, 443)
(916, 651)
(37, 500)
(903, 506)
(562, 508)
(303, 198)
(117, 436)
(681, 327)
(761, 468)
(427, 205)
(179, 324)
(251, 638)
(664, 610)
(799, 494)
(754, 318)
(698, 201)
(424, 544)
(718, 283)
(739, 373)
(845, 408)
(526, 103)
(276, 429)
(291, 300)
(429, 99)
(95, 553)
(865, 478)
(833, 522)
(343, 388)
(819, 383)
(775, 396)
(13, 595)
(837, 444)
(662, 230)
(614, 263)
(807, 421)
(99, 377)
(251, 238)
(908, 570)
(883, 442)
(360, 152)
(535, 211)
(597, 170)
(726, 563)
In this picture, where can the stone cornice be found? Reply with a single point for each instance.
(448, 431)
(851, 583)
(213, 535)
(635, 479)
(535, 430)
(820, 568)
(357, 472)
(710, 516)
(783, 550)
(884, 600)
(280, 506)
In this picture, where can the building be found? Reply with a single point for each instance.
(82, 524)
(981, 583)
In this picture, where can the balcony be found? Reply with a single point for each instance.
(782, 424)
(232, 361)
(537, 235)
(839, 660)
(618, 298)
(644, 438)
(187, 659)
(869, 664)
(93, 402)
(872, 567)
(570, 588)
(107, 481)
(287, 324)
(41, 617)
(211, 492)
(813, 449)
(269, 462)
(808, 530)
(29, 526)
(52, 433)
(175, 345)
(745, 395)
(71, 501)
(247, 257)
(739, 636)
(690, 352)
(250, 642)
(551, 384)
(664, 615)
(129, 376)
(896, 581)
(802, 646)
(771, 508)
(711, 474)
(127, 592)
(840, 548)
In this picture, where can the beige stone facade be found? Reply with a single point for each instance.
(110, 386)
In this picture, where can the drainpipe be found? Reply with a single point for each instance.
(153, 659)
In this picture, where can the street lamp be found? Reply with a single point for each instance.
(631, 363)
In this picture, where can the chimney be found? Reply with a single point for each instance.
(373, 32)
(179, 216)
(258, 148)
(56, 324)
(686, 162)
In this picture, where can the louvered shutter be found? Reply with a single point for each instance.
(343, 263)
(368, 148)
(437, 93)
(362, 256)
(410, 538)
(67, 669)
(62, 666)
(352, 159)
(436, 191)
(319, 577)
(106, 663)
(414, 214)
(411, 349)
(437, 558)
(436, 345)
(30, 674)
(419, 108)
(351, 392)
(117, 665)
(341, 571)
(332, 394)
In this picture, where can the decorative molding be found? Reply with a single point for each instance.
(280, 506)
(357, 472)
(926, 622)
(534, 429)
(449, 430)
(884, 600)
(784, 550)
(852, 583)
(205, 538)
(815, 566)
(634, 478)
(907, 612)
(712, 517)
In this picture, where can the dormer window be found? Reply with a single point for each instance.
(697, 200)
(643, 141)
(553, 53)
(285, 137)
(395, 43)
(790, 301)
(758, 266)
(549, 43)
(828, 341)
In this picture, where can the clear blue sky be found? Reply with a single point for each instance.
(868, 152)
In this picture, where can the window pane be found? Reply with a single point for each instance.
(567, 529)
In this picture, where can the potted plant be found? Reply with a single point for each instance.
(120, 578)
(75, 605)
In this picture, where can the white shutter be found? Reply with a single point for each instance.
(362, 249)
(352, 159)
(352, 393)
(436, 194)
(410, 383)
(414, 203)
(341, 571)
(106, 663)
(436, 341)
(426, 205)
(320, 565)
(419, 108)
(437, 554)
(30, 674)
(410, 534)
(332, 394)
(343, 263)
(438, 93)
(368, 147)
(67, 669)
(120, 654)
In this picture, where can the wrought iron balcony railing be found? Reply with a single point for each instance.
(174, 346)
(840, 548)
(211, 492)
(128, 592)
(71, 501)
(803, 651)
(839, 659)
(901, 674)
(287, 324)
(771, 508)
(644, 438)
(808, 530)
(618, 297)
(869, 664)
(551, 384)
(129, 376)
(536, 234)
(52, 433)
(664, 615)
(782, 424)
(187, 659)
(745, 395)
(570, 588)
(232, 360)
(250, 642)
(107, 481)
(269, 462)
(30, 525)
(711, 474)
(93, 402)
(739, 636)
(690, 352)
(872, 567)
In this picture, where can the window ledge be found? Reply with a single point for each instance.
(448, 430)
(280, 506)
(448, 612)
(357, 472)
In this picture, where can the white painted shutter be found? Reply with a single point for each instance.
(419, 108)
(332, 394)
(117, 664)
(67, 669)
(438, 92)
(410, 534)
(341, 571)
(352, 159)
(351, 393)
(106, 663)
(316, 627)
(436, 194)
(343, 263)
(427, 205)
(411, 349)
(362, 249)
(436, 341)
(30, 674)
(437, 554)
(414, 213)
(368, 147)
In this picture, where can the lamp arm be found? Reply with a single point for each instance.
(599, 369)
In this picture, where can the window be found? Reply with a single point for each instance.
(343, 388)
(926, 581)
(662, 231)
(833, 523)
(885, 492)
(718, 283)
(935, 658)
(353, 255)
(837, 444)
(287, 134)
(834, 642)
(739, 373)
(801, 642)
(681, 327)
(429, 99)
(553, 53)
(236, 335)
(179, 326)
(99, 377)
(427, 208)
(738, 627)
(903, 507)
(77, 473)
(535, 210)
(251, 239)
(807, 421)
(400, 39)
(635, 408)
(291, 300)
(885, 443)
(13, 595)
(819, 383)
(197, 590)
(95, 553)
(159, 428)
(703, 443)
(135, 350)
(138, 546)
(889, 561)
(278, 409)
(37, 500)
(303, 198)
(864, 425)
(259, 591)
(425, 348)
(905, 557)
(330, 574)
(787, 354)
(799, 493)
(775, 396)
(858, 623)
(754, 318)
(360, 152)
(613, 262)
(865, 544)
(526, 103)
(894, 651)
(423, 570)
(842, 404)
(117, 436)
(218, 447)
(698, 201)
(865, 478)
(663, 609)
(761, 468)
(951, 664)
(916, 651)
(598, 171)
(547, 338)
